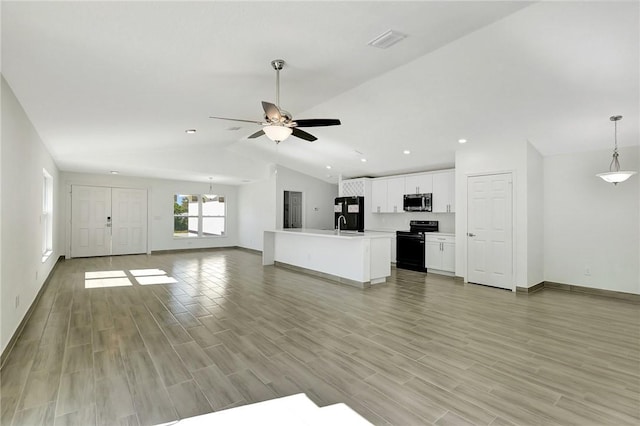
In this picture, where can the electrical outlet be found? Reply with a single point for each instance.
(587, 271)
(17, 301)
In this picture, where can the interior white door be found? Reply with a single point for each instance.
(90, 225)
(490, 230)
(295, 209)
(129, 221)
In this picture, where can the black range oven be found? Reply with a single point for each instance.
(410, 245)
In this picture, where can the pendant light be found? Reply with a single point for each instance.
(615, 175)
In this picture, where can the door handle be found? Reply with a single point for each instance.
(470, 234)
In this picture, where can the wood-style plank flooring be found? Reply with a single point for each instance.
(420, 349)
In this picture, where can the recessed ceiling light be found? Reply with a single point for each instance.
(190, 131)
(328, 167)
(114, 172)
(462, 141)
(406, 152)
(364, 160)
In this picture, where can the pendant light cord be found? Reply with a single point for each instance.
(615, 164)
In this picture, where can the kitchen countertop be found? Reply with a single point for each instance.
(331, 233)
(443, 234)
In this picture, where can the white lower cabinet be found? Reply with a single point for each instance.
(440, 254)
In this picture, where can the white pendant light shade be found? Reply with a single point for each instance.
(615, 175)
(277, 133)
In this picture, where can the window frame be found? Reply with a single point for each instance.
(46, 217)
(200, 217)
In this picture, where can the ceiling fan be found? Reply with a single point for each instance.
(278, 124)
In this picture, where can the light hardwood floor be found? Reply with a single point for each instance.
(421, 349)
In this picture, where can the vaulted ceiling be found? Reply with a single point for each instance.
(114, 85)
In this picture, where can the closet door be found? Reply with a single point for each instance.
(90, 221)
(129, 221)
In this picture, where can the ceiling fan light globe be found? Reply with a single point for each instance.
(616, 177)
(277, 133)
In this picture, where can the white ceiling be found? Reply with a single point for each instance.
(114, 85)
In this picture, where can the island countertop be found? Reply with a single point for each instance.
(333, 233)
(354, 258)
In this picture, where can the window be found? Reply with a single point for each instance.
(197, 216)
(46, 219)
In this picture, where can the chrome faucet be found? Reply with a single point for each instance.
(344, 219)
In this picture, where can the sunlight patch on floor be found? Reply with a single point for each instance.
(157, 279)
(107, 282)
(104, 274)
(145, 272)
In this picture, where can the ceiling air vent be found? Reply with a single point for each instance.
(387, 39)
(234, 128)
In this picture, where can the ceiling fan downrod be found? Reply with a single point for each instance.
(277, 65)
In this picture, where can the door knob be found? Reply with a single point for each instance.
(470, 234)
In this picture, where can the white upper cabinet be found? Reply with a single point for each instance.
(418, 184)
(387, 195)
(395, 194)
(444, 188)
(379, 195)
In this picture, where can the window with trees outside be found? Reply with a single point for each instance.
(46, 220)
(198, 216)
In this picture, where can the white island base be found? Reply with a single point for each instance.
(359, 260)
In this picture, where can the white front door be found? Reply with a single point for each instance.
(90, 221)
(490, 230)
(106, 221)
(129, 221)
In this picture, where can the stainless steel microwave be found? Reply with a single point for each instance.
(417, 203)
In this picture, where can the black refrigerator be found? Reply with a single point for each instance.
(352, 208)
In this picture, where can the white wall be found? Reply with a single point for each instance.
(256, 212)
(400, 221)
(317, 198)
(535, 214)
(494, 157)
(591, 224)
(160, 196)
(23, 156)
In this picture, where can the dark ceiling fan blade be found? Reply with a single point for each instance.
(317, 122)
(257, 134)
(237, 119)
(303, 135)
(272, 111)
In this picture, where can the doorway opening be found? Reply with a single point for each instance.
(292, 209)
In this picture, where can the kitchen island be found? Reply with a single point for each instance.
(360, 259)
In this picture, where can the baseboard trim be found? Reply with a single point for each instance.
(324, 275)
(550, 285)
(250, 250)
(12, 342)
(631, 297)
(187, 250)
(532, 289)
